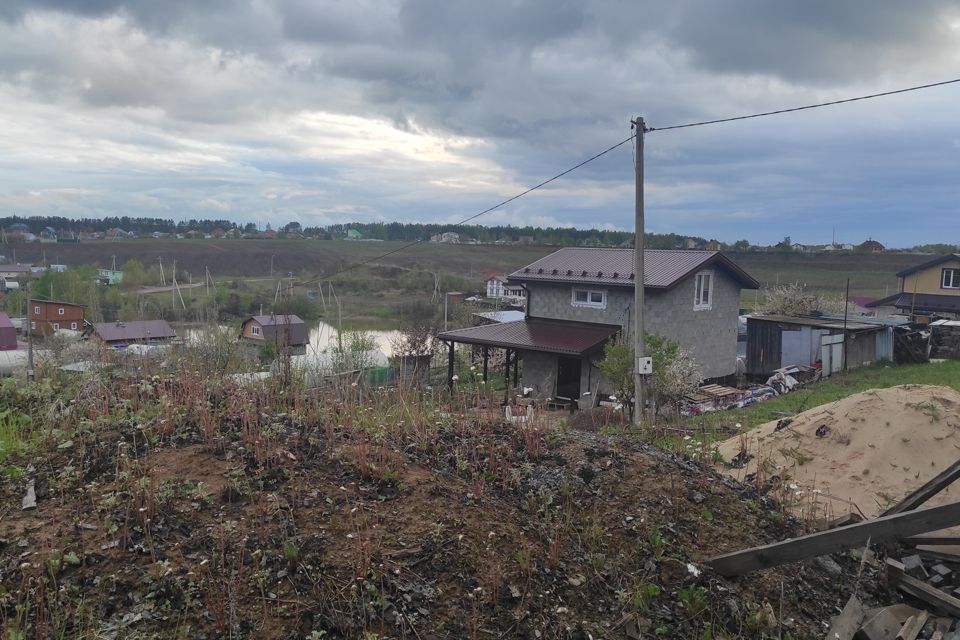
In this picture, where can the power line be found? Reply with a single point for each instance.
(625, 141)
(485, 211)
(809, 106)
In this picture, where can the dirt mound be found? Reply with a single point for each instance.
(860, 454)
(324, 520)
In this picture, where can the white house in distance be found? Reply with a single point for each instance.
(498, 288)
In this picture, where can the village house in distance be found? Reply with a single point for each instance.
(580, 298)
(123, 333)
(930, 288)
(282, 331)
(49, 316)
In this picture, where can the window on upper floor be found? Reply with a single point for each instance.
(60, 311)
(255, 330)
(36, 310)
(703, 291)
(595, 298)
(950, 279)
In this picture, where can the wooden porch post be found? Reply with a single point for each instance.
(450, 365)
(486, 358)
(506, 376)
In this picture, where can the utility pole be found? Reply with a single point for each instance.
(29, 337)
(846, 309)
(639, 349)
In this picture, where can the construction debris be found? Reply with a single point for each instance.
(886, 528)
(29, 500)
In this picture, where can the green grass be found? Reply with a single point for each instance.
(13, 433)
(837, 387)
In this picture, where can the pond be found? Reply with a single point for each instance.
(323, 336)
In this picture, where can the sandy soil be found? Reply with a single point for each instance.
(859, 454)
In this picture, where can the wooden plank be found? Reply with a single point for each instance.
(920, 590)
(899, 611)
(935, 555)
(878, 530)
(911, 628)
(934, 541)
(929, 489)
(881, 625)
(845, 625)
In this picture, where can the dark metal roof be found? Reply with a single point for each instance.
(923, 302)
(59, 303)
(291, 329)
(928, 264)
(535, 335)
(614, 267)
(821, 323)
(133, 330)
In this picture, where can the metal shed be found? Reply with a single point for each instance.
(778, 341)
(8, 333)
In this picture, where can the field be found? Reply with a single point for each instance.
(871, 275)
(375, 295)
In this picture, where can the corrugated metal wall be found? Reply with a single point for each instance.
(885, 344)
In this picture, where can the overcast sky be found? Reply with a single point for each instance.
(327, 111)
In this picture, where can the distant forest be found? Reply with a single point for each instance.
(408, 232)
(559, 236)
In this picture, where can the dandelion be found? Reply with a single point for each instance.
(737, 425)
(455, 377)
(686, 437)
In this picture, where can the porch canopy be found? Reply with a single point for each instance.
(531, 334)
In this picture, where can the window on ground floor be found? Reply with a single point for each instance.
(255, 330)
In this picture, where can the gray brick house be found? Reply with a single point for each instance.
(579, 298)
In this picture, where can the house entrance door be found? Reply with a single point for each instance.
(568, 378)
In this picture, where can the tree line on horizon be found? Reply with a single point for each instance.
(409, 232)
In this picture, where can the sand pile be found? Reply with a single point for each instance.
(860, 454)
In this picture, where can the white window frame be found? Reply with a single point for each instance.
(60, 311)
(590, 302)
(954, 278)
(36, 309)
(73, 326)
(698, 299)
(33, 324)
(55, 325)
(255, 330)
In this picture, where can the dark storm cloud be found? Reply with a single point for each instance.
(817, 40)
(535, 85)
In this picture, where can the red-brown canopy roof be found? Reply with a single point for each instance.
(534, 334)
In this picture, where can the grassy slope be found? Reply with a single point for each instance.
(227, 258)
(837, 388)
(870, 275)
